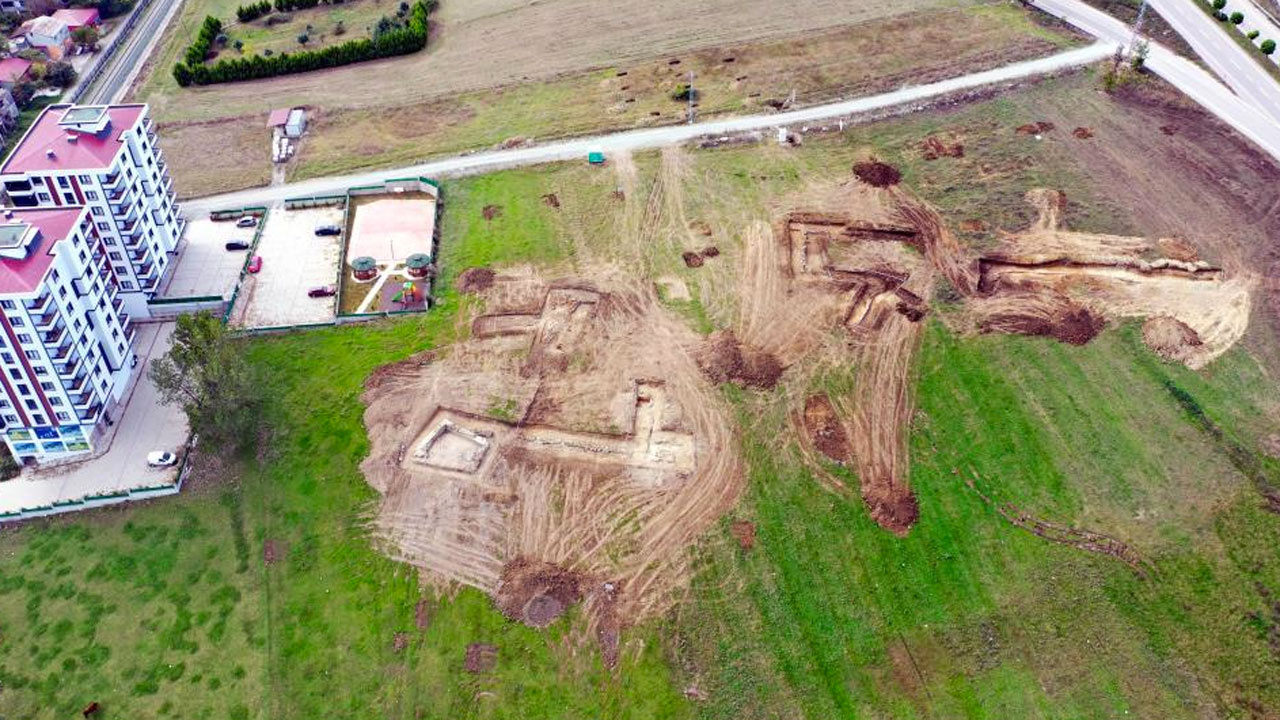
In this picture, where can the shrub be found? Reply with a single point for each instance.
(1268, 46)
(1219, 4)
(239, 45)
(60, 74)
(1237, 18)
(1252, 35)
(253, 11)
(303, 38)
(339, 28)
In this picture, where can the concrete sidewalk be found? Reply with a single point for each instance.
(143, 426)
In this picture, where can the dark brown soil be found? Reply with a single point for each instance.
(481, 657)
(974, 225)
(272, 551)
(1168, 129)
(710, 251)
(400, 641)
(1037, 128)
(1271, 501)
(744, 532)
(1082, 133)
(535, 592)
(1178, 249)
(825, 430)
(618, 195)
(877, 174)
(723, 359)
(933, 148)
(896, 513)
(552, 200)
(692, 259)
(1071, 323)
(1170, 338)
(491, 211)
(422, 614)
(474, 280)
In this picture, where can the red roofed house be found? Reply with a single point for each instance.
(14, 70)
(66, 343)
(76, 18)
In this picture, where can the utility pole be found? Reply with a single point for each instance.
(691, 93)
(1137, 27)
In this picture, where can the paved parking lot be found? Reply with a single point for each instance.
(143, 425)
(204, 266)
(294, 260)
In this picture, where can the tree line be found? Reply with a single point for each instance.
(192, 70)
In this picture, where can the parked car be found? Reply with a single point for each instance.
(238, 245)
(247, 221)
(328, 230)
(255, 264)
(161, 458)
(322, 291)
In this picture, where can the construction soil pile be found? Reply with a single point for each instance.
(475, 280)
(877, 174)
(569, 452)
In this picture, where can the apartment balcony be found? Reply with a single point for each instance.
(91, 415)
(55, 336)
(129, 227)
(84, 400)
(76, 385)
(45, 321)
(141, 255)
(117, 303)
(113, 182)
(40, 305)
(147, 270)
(19, 187)
(71, 367)
(126, 210)
(62, 352)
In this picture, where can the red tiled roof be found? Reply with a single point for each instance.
(24, 276)
(88, 152)
(278, 117)
(13, 69)
(75, 17)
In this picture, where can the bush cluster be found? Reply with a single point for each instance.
(253, 11)
(409, 38)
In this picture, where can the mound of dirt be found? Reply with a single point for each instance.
(974, 225)
(535, 592)
(475, 280)
(272, 551)
(481, 657)
(744, 532)
(877, 174)
(896, 512)
(491, 211)
(933, 148)
(1037, 128)
(710, 251)
(692, 259)
(1170, 338)
(1178, 249)
(724, 359)
(825, 430)
(1082, 133)
(552, 200)
(1058, 318)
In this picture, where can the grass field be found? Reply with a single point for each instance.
(368, 125)
(172, 609)
(320, 24)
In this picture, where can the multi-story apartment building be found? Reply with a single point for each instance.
(105, 159)
(66, 344)
(86, 244)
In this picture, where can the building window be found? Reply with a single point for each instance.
(24, 338)
(64, 417)
(41, 372)
(4, 403)
(118, 257)
(120, 269)
(11, 418)
(68, 198)
(53, 275)
(55, 401)
(86, 179)
(7, 304)
(91, 195)
(126, 285)
(46, 386)
(31, 404)
(7, 357)
(96, 210)
(37, 419)
(23, 389)
(15, 373)
(17, 322)
(104, 226)
(31, 354)
(44, 197)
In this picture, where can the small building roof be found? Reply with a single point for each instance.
(278, 118)
(54, 224)
(76, 17)
(44, 25)
(13, 69)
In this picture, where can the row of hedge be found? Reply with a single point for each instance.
(410, 38)
(253, 11)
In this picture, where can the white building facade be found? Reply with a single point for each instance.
(66, 340)
(104, 158)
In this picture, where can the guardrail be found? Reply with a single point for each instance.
(87, 80)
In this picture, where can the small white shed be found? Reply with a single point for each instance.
(296, 124)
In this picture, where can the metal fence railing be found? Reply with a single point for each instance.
(91, 77)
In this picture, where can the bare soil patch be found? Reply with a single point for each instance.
(877, 174)
(692, 259)
(422, 614)
(1082, 133)
(744, 532)
(475, 280)
(480, 658)
(400, 642)
(535, 592)
(272, 551)
(551, 200)
(825, 430)
(1171, 339)
(1036, 128)
(934, 147)
(491, 211)
(725, 359)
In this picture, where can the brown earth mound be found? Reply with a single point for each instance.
(1170, 338)
(535, 592)
(552, 200)
(474, 280)
(1178, 249)
(825, 430)
(1082, 133)
(933, 148)
(481, 657)
(491, 211)
(272, 551)
(710, 251)
(724, 359)
(877, 174)
(1038, 128)
(692, 259)
(744, 532)
(895, 513)
(422, 614)
(973, 225)
(1055, 317)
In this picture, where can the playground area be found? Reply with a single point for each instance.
(390, 254)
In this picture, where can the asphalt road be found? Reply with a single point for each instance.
(122, 67)
(1194, 82)
(578, 148)
(1213, 43)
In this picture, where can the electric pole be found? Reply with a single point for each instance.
(691, 93)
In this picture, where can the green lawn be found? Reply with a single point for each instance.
(169, 609)
(324, 25)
